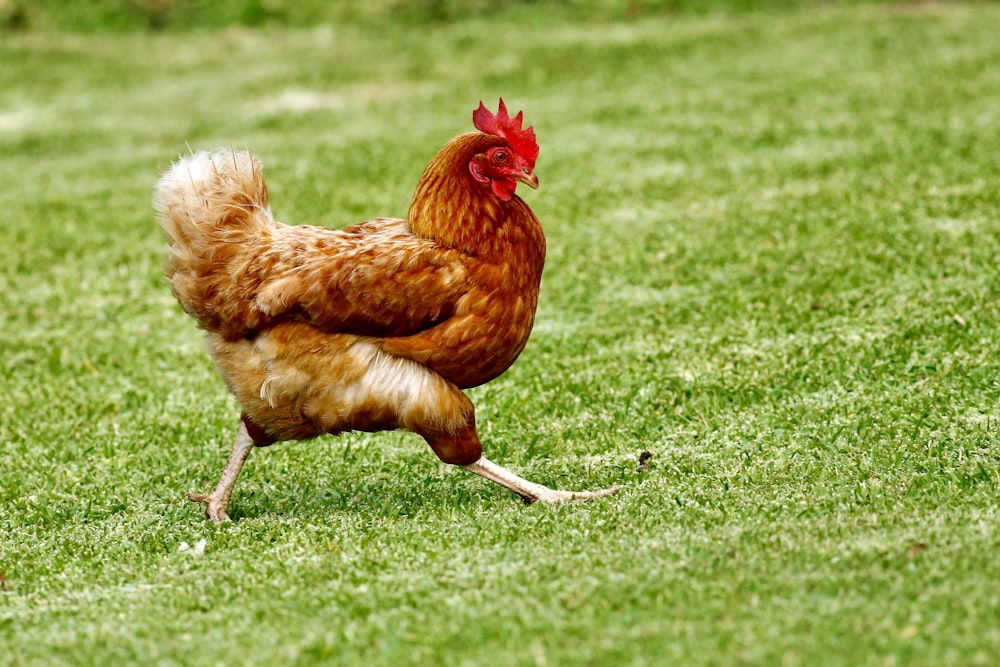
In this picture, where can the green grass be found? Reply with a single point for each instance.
(114, 15)
(773, 250)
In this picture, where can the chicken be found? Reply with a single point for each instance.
(374, 327)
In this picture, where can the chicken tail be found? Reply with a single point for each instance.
(213, 208)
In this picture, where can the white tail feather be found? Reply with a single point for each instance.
(213, 208)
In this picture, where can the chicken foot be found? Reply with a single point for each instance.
(530, 491)
(217, 502)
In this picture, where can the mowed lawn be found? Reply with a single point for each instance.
(773, 248)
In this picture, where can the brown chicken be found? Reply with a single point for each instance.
(373, 327)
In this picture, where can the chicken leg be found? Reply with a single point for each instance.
(217, 502)
(460, 446)
(530, 491)
(456, 448)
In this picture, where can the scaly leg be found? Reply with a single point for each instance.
(530, 491)
(217, 501)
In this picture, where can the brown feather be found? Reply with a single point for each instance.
(376, 326)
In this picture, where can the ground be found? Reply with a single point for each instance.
(772, 264)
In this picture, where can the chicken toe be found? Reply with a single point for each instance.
(553, 496)
(215, 507)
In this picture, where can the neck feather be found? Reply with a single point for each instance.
(453, 209)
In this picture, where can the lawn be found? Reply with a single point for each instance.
(773, 241)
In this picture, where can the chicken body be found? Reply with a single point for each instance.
(373, 327)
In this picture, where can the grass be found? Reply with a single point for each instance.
(773, 249)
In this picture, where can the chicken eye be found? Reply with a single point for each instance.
(500, 157)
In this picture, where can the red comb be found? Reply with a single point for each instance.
(522, 141)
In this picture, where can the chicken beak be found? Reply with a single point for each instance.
(528, 177)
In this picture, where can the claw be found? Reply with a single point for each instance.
(214, 508)
(554, 496)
